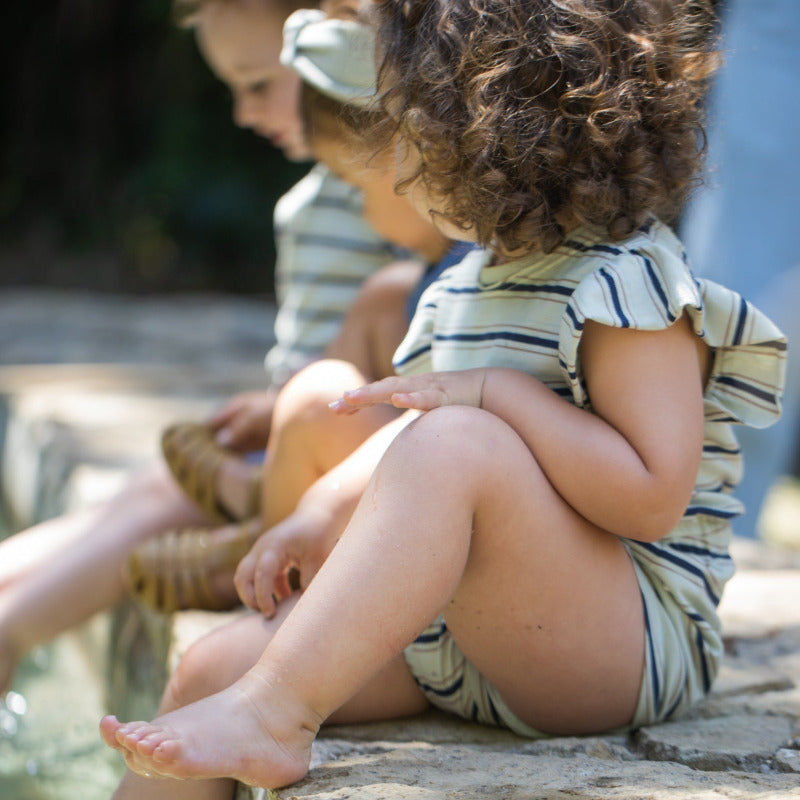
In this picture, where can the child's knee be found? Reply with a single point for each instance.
(306, 396)
(199, 673)
(454, 436)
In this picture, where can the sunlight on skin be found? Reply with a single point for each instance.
(243, 746)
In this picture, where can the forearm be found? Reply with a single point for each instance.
(588, 462)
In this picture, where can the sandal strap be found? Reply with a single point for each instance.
(194, 458)
(175, 571)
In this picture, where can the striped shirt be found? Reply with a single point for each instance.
(325, 251)
(529, 314)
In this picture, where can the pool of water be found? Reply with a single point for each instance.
(50, 748)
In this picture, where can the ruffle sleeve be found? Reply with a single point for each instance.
(649, 289)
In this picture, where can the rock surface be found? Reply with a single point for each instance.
(743, 742)
(74, 432)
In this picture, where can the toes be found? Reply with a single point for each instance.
(148, 743)
(167, 752)
(108, 730)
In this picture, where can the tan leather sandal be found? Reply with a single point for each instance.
(175, 571)
(195, 459)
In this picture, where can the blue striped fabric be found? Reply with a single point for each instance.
(530, 314)
(325, 251)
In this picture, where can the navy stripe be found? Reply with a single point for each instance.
(612, 287)
(573, 316)
(450, 690)
(698, 551)
(593, 248)
(474, 713)
(674, 706)
(728, 451)
(527, 288)
(662, 295)
(747, 388)
(653, 666)
(427, 638)
(696, 511)
(492, 335)
(737, 336)
(493, 710)
(340, 243)
(684, 565)
(414, 354)
(702, 652)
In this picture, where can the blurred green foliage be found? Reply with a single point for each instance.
(121, 167)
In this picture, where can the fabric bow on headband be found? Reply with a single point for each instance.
(335, 56)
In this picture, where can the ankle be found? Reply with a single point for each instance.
(268, 689)
(235, 487)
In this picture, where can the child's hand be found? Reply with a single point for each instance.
(301, 542)
(421, 392)
(243, 422)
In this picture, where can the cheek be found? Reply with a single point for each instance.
(284, 101)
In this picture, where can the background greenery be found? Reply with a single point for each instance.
(121, 168)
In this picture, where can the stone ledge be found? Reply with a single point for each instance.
(741, 743)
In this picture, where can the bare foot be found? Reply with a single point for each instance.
(248, 732)
(238, 487)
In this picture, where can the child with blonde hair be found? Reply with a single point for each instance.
(542, 540)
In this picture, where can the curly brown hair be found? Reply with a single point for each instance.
(532, 117)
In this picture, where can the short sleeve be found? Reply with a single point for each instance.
(649, 289)
(414, 356)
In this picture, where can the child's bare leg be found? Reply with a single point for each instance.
(225, 655)
(308, 439)
(459, 519)
(80, 572)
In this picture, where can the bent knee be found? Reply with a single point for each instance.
(306, 396)
(460, 434)
(201, 672)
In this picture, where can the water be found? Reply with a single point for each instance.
(50, 748)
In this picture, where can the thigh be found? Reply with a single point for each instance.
(548, 607)
(308, 439)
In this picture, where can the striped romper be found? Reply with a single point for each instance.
(529, 314)
(325, 251)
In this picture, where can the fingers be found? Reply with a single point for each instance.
(261, 578)
(382, 391)
(421, 400)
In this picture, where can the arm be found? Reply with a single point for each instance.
(630, 466)
(305, 538)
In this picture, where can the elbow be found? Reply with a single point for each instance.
(659, 513)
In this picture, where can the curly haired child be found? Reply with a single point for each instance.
(544, 543)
